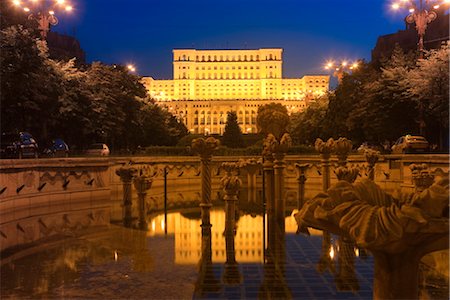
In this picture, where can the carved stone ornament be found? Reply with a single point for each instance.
(126, 173)
(347, 173)
(372, 218)
(230, 182)
(342, 148)
(371, 156)
(398, 235)
(324, 148)
(422, 177)
(272, 146)
(205, 147)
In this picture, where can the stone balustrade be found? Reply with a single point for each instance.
(41, 198)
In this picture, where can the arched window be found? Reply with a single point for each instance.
(245, 57)
(257, 57)
(221, 58)
(215, 58)
(251, 57)
(203, 58)
(239, 58)
(209, 58)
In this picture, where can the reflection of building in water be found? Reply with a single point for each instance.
(207, 84)
(188, 239)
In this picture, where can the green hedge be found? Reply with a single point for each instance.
(222, 151)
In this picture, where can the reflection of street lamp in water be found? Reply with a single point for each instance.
(43, 12)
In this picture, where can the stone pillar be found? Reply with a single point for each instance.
(342, 148)
(230, 184)
(142, 184)
(126, 174)
(269, 188)
(346, 279)
(372, 157)
(205, 148)
(278, 168)
(206, 281)
(325, 150)
(251, 166)
(301, 183)
(277, 149)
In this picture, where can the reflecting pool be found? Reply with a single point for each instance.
(177, 258)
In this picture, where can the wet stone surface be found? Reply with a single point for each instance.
(121, 263)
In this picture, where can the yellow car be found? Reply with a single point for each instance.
(410, 144)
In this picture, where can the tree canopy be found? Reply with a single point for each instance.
(95, 103)
(232, 135)
(377, 104)
(273, 118)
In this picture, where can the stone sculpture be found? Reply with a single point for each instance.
(397, 233)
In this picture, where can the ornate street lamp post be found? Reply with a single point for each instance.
(43, 11)
(340, 68)
(421, 13)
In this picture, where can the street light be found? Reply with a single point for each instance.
(421, 12)
(43, 11)
(340, 68)
(131, 68)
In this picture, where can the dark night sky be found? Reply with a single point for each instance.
(144, 32)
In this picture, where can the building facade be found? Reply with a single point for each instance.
(207, 84)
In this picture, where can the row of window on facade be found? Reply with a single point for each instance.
(185, 75)
(244, 57)
(215, 121)
(221, 112)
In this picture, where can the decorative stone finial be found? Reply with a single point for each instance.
(272, 146)
(342, 148)
(230, 182)
(372, 156)
(126, 173)
(205, 147)
(324, 148)
(422, 177)
(347, 174)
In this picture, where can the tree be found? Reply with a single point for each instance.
(273, 118)
(344, 100)
(232, 136)
(159, 127)
(52, 99)
(384, 111)
(429, 88)
(306, 126)
(30, 83)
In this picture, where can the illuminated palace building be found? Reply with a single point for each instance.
(209, 83)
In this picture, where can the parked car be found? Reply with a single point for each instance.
(58, 148)
(18, 145)
(410, 144)
(98, 149)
